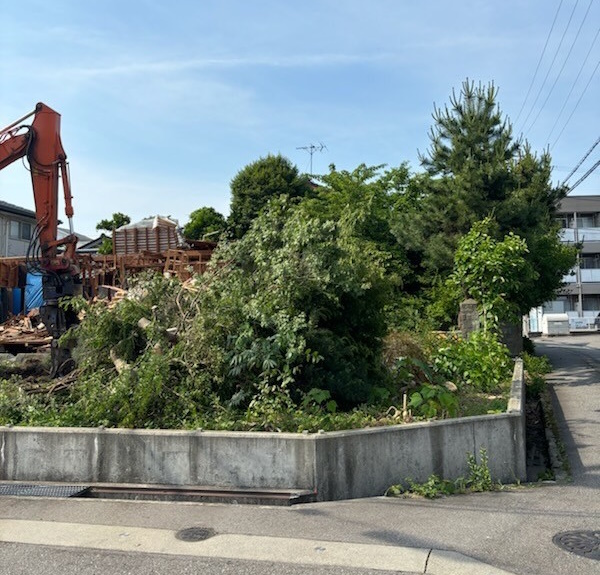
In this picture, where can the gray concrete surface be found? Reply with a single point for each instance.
(511, 529)
(336, 465)
(576, 386)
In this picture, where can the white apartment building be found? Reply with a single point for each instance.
(580, 298)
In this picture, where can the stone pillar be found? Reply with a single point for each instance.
(512, 337)
(468, 317)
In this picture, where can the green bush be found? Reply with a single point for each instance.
(480, 361)
(296, 305)
(14, 403)
(536, 369)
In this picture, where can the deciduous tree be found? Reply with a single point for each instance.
(118, 219)
(259, 182)
(204, 221)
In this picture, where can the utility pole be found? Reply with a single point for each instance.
(311, 149)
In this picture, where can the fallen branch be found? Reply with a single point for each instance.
(120, 364)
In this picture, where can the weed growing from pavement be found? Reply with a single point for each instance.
(560, 448)
(479, 480)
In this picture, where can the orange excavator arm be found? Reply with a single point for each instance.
(40, 143)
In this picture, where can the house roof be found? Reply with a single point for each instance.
(16, 210)
(64, 232)
(90, 246)
(151, 222)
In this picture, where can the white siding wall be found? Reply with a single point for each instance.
(10, 246)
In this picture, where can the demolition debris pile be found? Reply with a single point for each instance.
(24, 332)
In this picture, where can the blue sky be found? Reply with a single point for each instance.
(163, 103)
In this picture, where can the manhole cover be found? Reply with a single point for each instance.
(192, 534)
(584, 543)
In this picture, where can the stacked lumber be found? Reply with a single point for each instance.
(186, 263)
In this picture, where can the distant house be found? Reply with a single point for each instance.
(16, 229)
(17, 226)
(82, 239)
(91, 246)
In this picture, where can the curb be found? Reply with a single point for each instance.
(452, 563)
(213, 545)
(559, 461)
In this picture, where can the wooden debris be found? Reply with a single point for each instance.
(120, 364)
(24, 331)
(50, 386)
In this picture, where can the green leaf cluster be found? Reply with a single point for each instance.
(296, 303)
(205, 223)
(475, 169)
(492, 272)
(478, 480)
(480, 362)
(259, 182)
(536, 369)
(285, 327)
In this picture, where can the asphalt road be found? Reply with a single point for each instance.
(510, 529)
(29, 559)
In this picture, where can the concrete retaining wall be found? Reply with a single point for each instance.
(337, 465)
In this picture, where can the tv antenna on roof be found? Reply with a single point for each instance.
(311, 149)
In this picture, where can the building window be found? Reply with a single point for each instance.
(590, 262)
(591, 303)
(20, 230)
(561, 304)
(583, 221)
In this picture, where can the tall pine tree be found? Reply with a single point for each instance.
(475, 168)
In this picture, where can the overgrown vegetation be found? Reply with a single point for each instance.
(322, 313)
(478, 480)
(536, 369)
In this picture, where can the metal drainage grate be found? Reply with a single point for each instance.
(21, 490)
(584, 543)
(192, 534)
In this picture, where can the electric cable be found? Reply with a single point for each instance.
(582, 160)
(573, 85)
(537, 68)
(562, 67)
(584, 176)
(551, 65)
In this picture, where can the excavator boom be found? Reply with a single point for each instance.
(40, 143)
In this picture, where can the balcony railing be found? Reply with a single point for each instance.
(585, 234)
(587, 276)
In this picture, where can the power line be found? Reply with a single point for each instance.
(573, 85)
(539, 62)
(551, 65)
(584, 176)
(563, 66)
(582, 160)
(576, 105)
